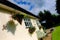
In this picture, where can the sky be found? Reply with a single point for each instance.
(35, 6)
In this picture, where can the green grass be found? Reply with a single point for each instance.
(56, 33)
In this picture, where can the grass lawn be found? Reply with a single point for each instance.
(56, 33)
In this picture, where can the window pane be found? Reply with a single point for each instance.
(27, 22)
(30, 24)
(26, 19)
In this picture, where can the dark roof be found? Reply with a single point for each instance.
(5, 2)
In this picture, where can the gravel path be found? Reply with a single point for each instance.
(49, 35)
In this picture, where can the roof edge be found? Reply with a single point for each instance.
(7, 3)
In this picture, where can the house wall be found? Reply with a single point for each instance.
(20, 32)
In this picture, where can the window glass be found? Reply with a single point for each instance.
(25, 19)
(27, 22)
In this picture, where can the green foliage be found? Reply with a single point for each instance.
(58, 6)
(42, 16)
(46, 16)
(51, 20)
(31, 30)
(18, 17)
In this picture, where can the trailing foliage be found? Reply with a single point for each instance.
(31, 30)
(18, 17)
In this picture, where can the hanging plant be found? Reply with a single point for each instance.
(31, 30)
(18, 17)
(40, 26)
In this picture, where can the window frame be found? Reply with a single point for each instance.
(27, 22)
(38, 23)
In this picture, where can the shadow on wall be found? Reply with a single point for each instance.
(11, 26)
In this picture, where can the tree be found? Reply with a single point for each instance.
(48, 17)
(41, 15)
(58, 6)
(58, 19)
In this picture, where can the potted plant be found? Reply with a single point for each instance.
(31, 30)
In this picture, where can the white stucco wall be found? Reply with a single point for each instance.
(21, 32)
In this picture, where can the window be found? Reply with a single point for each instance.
(38, 23)
(27, 22)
